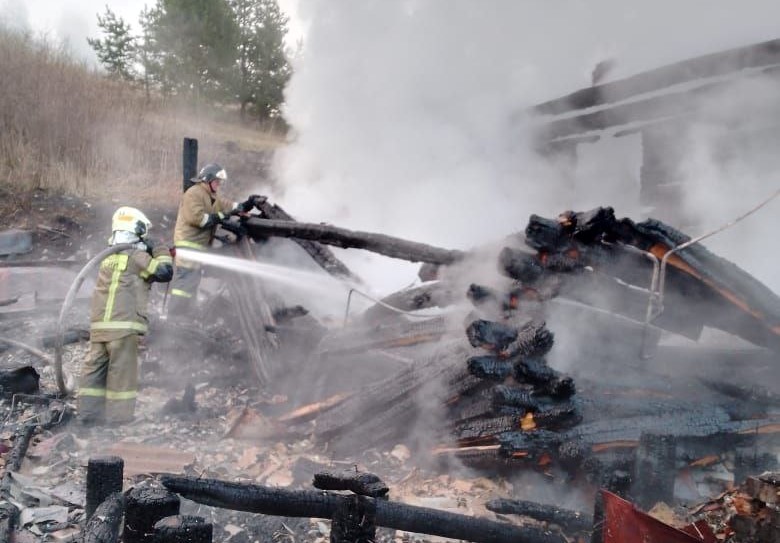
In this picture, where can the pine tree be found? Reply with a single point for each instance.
(191, 46)
(262, 66)
(116, 51)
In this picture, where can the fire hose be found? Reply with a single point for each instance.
(68, 302)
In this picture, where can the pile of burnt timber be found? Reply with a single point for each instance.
(506, 407)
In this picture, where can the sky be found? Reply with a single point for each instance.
(75, 20)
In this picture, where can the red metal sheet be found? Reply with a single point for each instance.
(624, 523)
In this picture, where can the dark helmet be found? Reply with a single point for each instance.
(212, 171)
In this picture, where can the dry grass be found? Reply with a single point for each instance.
(66, 128)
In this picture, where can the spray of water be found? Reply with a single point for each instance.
(316, 283)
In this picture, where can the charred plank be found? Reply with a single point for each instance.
(316, 504)
(570, 521)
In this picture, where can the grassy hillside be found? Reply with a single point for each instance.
(65, 128)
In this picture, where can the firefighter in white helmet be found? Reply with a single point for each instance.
(109, 376)
(201, 210)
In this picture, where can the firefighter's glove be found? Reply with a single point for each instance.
(251, 203)
(234, 228)
(213, 219)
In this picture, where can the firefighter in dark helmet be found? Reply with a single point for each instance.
(201, 210)
(109, 376)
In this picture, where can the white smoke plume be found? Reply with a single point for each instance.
(408, 116)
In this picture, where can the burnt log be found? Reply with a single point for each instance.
(520, 265)
(316, 504)
(533, 340)
(361, 483)
(489, 335)
(569, 521)
(490, 368)
(319, 253)
(341, 237)
(183, 529)
(103, 525)
(546, 381)
(144, 507)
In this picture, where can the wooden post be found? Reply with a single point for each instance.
(189, 162)
(104, 477)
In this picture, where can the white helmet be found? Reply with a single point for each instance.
(130, 219)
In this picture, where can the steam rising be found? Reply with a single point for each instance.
(408, 116)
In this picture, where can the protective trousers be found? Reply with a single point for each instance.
(109, 381)
(184, 290)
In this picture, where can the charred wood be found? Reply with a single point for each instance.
(358, 482)
(530, 445)
(533, 340)
(341, 237)
(104, 478)
(569, 521)
(707, 66)
(144, 507)
(24, 380)
(103, 525)
(489, 335)
(546, 380)
(654, 470)
(397, 392)
(490, 367)
(353, 521)
(319, 253)
(483, 430)
(183, 529)
(520, 265)
(9, 517)
(286, 314)
(315, 504)
(512, 396)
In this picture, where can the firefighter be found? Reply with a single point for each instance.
(201, 210)
(109, 377)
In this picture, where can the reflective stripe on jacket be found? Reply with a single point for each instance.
(122, 292)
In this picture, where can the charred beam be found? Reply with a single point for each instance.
(341, 237)
(319, 253)
(712, 65)
(570, 521)
(358, 482)
(315, 504)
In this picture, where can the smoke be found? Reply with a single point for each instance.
(408, 116)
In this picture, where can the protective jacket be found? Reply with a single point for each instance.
(122, 292)
(194, 209)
